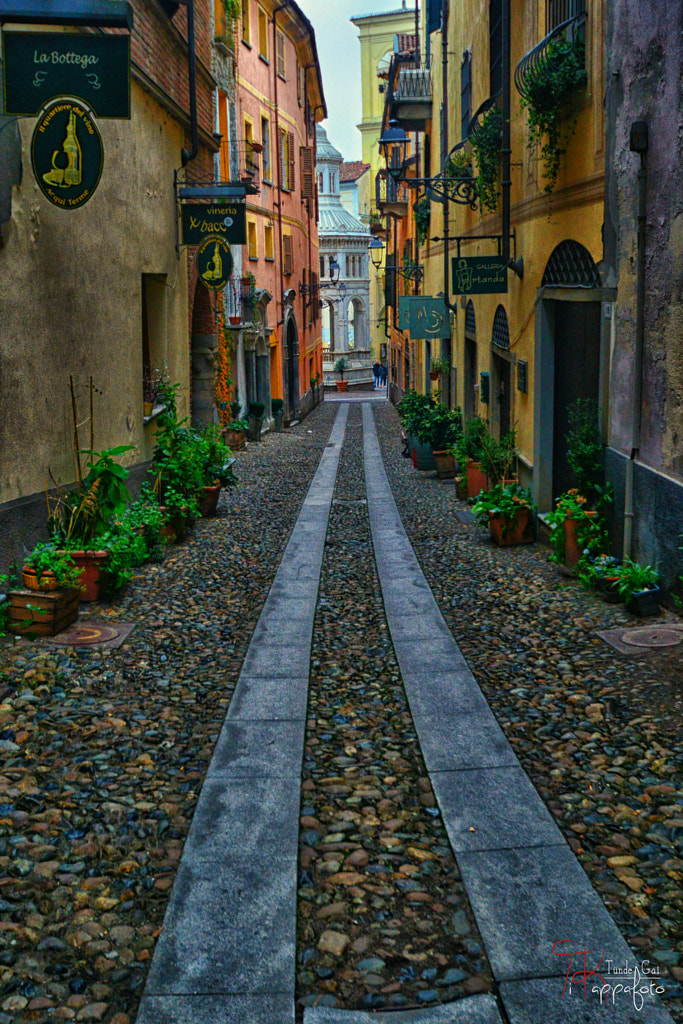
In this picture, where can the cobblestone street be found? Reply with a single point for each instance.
(412, 815)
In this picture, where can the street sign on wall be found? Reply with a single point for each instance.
(424, 316)
(214, 262)
(67, 154)
(40, 66)
(202, 219)
(479, 275)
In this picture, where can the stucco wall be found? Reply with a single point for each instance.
(645, 52)
(71, 303)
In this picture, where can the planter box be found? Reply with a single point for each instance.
(645, 602)
(342, 385)
(519, 531)
(235, 439)
(445, 465)
(255, 425)
(477, 480)
(44, 614)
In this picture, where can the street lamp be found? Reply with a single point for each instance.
(393, 146)
(335, 271)
(376, 248)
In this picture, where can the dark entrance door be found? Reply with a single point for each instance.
(502, 378)
(577, 375)
(470, 376)
(292, 368)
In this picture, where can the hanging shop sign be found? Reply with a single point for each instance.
(40, 66)
(424, 316)
(202, 219)
(214, 262)
(67, 154)
(479, 275)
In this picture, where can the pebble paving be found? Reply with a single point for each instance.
(384, 920)
(598, 733)
(104, 751)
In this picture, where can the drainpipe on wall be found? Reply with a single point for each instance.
(279, 162)
(446, 343)
(505, 141)
(638, 144)
(192, 85)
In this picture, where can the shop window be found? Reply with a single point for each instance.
(252, 242)
(246, 22)
(268, 242)
(262, 34)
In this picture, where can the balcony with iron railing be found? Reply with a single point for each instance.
(391, 197)
(549, 52)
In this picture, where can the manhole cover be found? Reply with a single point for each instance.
(86, 633)
(652, 636)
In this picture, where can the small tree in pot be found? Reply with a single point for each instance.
(255, 418)
(340, 367)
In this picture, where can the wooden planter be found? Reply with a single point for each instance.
(90, 563)
(477, 480)
(42, 613)
(235, 439)
(572, 554)
(209, 500)
(423, 457)
(445, 465)
(519, 531)
(342, 385)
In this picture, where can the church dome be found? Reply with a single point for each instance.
(325, 149)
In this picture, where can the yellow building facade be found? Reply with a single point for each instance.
(521, 356)
(377, 37)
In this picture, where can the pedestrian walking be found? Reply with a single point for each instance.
(377, 371)
(384, 373)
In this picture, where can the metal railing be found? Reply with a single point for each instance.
(413, 84)
(389, 191)
(571, 30)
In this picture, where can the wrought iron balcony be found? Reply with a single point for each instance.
(542, 56)
(391, 197)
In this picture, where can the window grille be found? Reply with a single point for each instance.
(495, 46)
(559, 11)
(501, 334)
(470, 322)
(465, 93)
(571, 266)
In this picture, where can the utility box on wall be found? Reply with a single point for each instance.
(484, 389)
(522, 376)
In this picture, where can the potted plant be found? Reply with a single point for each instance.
(235, 434)
(217, 469)
(178, 467)
(638, 587)
(340, 367)
(415, 409)
(422, 212)
(50, 602)
(498, 457)
(376, 223)
(577, 531)
(486, 144)
(255, 419)
(278, 407)
(509, 513)
(439, 367)
(150, 387)
(469, 449)
(47, 568)
(440, 428)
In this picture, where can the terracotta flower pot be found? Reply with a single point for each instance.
(477, 480)
(90, 563)
(572, 554)
(342, 385)
(234, 320)
(434, 375)
(209, 501)
(519, 531)
(235, 439)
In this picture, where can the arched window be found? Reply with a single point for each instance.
(571, 266)
(501, 333)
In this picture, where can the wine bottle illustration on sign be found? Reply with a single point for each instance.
(71, 174)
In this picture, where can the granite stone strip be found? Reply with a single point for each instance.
(527, 889)
(470, 1010)
(226, 952)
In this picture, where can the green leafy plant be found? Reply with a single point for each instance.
(471, 444)
(439, 427)
(502, 501)
(593, 571)
(241, 426)
(486, 144)
(591, 528)
(550, 89)
(144, 517)
(77, 518)
(422, 212)
(341, 366)
(233, 9)
(278, 405)
(458, 164)
(584, 448)
(498, 456)
(47, 558)
(440, 365)
(413, 408)
(216, 458)
(634, 578)
(126, 550)
(257, 409)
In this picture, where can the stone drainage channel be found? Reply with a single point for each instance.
(373, 850)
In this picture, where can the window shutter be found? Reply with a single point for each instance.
(315, 305)
(287, 259)
(390, 281)
(280, 152)
(290, 161)
(434, 15)
(281, 54)
(307, 171)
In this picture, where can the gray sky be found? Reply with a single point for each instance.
(339, 53)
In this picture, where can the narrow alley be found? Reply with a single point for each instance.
(412, 864)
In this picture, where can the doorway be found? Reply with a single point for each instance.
(577, 375)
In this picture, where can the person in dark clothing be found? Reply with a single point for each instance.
(376, 372)
(383, 374)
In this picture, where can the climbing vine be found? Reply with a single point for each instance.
(233, 8)
(486, 143)
(549, 93)
(222, 378)
(422, 211)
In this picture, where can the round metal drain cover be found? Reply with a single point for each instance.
(652, 636)
(86, 633)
